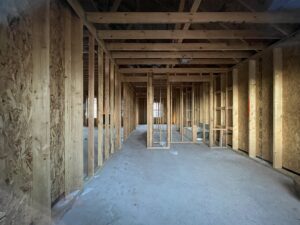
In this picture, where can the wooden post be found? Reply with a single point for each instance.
(252, 108)
(111, 107)
(211, 111)
(40, 120)
(136, 111)
(203, 112)
(91, 93)
(168, 113)
(149, 110)
(107, 130)
(181, 113)
(277, 107)
(125, 111)
(118, 119)
(235, 109)
(100, 105)
(194, 127)
(74, 103)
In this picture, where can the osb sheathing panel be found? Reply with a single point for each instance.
(243, 72)
(291, 108)
(264, 109)
(15, 111)
(57, 99)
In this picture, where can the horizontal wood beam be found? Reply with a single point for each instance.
(171, 70)
(175, 61)
(141, 79)
(182, 46)
(187, 34)
(187, 55)
(197, 17)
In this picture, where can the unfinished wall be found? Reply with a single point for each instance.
(291, 108)
(243, 109)
(142, 110)
(57, 99)
(264, 108)
(15, 111)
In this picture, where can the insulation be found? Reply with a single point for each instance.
(57, 98)
(15, 112)
(291, 108)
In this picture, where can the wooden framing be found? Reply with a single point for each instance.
(100, 105)
(91, 94)
(171, 70)
(187, 34)
(201, 17)
(277, 107)
(169, 123)
(194, 127)
(149, 111)
(183, 55)
(211, 111)
(111, 106)
(176, 61)
(40, 119)
(235, 110)
(107, 108)
(118, 119)
(252, 108)
(183, 46)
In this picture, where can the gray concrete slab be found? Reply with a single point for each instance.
(189, 184)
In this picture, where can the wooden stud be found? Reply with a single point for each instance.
(40, 119)
(181, 113)
(149, 111)
(235, 110)
(277, 107)
(211, 111)
(169, 124)
(171, 70)
(111, 107)
(100, 105)
(118, 115)
(194, 127)
(252, 108)
(91, 93)
(107, 109)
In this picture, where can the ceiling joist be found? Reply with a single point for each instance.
(172, 70)
(197, 17)
(187, 34)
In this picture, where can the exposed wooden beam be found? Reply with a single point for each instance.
(235, 110)
(202, 17)
(187, 55)
(187, 34)
(149, 110)
(175, 61)
(172, 78)
(172, 70)
(180, 9)
(252, 109)
(183, 46)
(191, 78)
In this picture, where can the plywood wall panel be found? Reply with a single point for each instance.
(57, 99)
(243, 107)
(291, 108)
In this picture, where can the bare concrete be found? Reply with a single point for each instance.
(189, 184)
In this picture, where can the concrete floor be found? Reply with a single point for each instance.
(189, 184)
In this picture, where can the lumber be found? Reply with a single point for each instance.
(107, 109)
(252, 108)
(183, 46)
(186, 34)
(211, 111)
(171, 70)
(111, 106)
(235, 110)
(100, 105)
(182, 55)
(149, 111)
(277, 107)
(197, 17)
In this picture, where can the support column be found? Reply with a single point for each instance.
(211, 111)
(168, 113)
(111, 107)
(91, 92)
(125, 111)
(181, 113)
(136, 111)
(149, 111)
(194, 127)
(277, 108)
(100, 105)
(252, 108)
(40, 120)
(107, 130)
(235, 110)
(118, 111)
(203, 112)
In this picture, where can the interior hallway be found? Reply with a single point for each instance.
(189, 184)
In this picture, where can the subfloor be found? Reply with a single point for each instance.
(189, 184)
